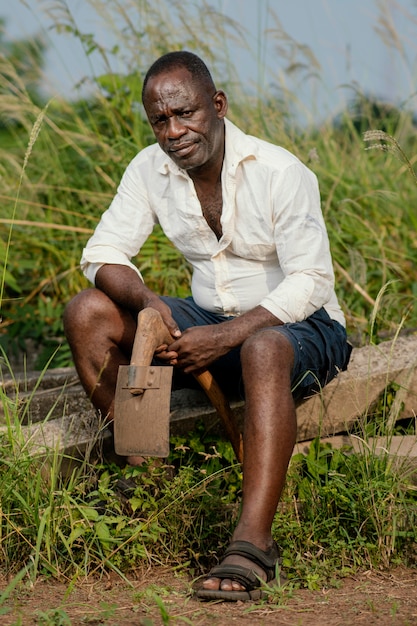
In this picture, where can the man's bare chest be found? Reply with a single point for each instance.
(211, 207)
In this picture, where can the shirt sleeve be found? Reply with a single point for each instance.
(123, 228)
(302, 246)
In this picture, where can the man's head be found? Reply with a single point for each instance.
(185, 110)
(181, 59)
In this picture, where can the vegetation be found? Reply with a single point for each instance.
(340, 512)
(53, 197)
(60, 163)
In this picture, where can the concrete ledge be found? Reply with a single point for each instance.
(55, 411)
(355, 392)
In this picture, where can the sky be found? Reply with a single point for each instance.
(347, 39)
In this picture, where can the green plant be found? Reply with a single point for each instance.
(342, 511)
(52, 617)
(155, 595)
(83, 523)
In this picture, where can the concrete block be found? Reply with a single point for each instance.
(354, 392)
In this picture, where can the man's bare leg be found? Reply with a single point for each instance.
(268, 440)
(101, 336)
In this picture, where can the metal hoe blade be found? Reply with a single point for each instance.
(141, 424)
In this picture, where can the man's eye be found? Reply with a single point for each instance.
(186, 113)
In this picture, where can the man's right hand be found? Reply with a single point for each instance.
(155, 302)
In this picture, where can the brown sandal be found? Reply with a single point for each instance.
(247, 577)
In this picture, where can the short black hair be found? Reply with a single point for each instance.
(174, 60)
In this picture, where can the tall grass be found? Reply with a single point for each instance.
(59, 168)
(84, 146)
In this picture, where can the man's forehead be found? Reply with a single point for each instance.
(174, 76)
(175, 82)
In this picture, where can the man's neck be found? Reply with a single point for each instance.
(208, 175)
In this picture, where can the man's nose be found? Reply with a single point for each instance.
(175, 127)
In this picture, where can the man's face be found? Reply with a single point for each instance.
(186, 119)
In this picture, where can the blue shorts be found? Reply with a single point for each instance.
(320, 346)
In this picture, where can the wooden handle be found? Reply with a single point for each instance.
(222, 406)
(151, 333)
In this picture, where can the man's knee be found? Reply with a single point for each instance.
(84, 308)
(266, 345)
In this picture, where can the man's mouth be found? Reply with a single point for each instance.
(181, 149)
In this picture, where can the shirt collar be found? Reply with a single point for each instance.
(239, 147)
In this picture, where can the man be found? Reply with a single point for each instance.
(264, 316)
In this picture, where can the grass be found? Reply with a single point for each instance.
(59, 165)
(340, 512)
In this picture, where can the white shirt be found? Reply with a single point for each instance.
(274, 251)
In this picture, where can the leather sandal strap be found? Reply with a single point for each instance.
(246, 577)
(265, 560)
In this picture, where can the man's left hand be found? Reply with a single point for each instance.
(199, 346)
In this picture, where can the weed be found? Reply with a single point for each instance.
(350, 510)
(52, 617)
(159, 597)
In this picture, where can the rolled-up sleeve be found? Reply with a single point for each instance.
(123, 227)
(302, 247)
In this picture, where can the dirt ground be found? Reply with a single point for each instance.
(159, 598)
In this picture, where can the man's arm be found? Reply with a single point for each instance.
(123, 285)
(200, 346)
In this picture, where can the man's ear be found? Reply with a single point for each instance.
(221, 103)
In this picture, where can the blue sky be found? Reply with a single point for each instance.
(347, 37)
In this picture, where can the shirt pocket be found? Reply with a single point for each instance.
(253, 236)
(253, 249)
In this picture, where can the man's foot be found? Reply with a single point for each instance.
(135, 461)
(241, 573)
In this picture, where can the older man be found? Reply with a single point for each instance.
(263, 315)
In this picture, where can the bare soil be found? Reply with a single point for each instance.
(160, 597)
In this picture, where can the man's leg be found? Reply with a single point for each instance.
(268, 441)
(101, 336)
